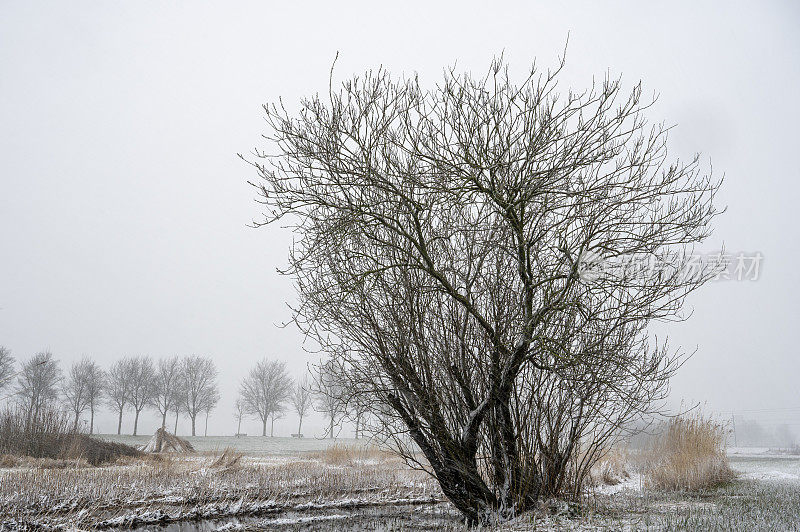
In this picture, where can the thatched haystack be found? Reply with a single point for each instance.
(164, 442)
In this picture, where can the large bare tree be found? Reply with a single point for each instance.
(199, 388)
(464, 253)
(37, 384)
(265, 390)
(142, 390)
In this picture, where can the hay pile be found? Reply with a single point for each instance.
(164, 442)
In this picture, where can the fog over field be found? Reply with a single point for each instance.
(124, 208)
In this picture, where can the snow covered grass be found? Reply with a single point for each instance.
(186, 487)
(250, 445)
(342, 488)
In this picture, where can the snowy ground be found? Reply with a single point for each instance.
(285, 483)
(249, 445)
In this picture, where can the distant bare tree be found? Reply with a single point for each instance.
(178, 400)
(168, 376)
(6, 367)
(37, 384)
(265, 389)
(445, 252)
(301, 400)
(142, 386)
(76, 388)
(95, 389)
(200, 392)
(359, 413)
(118, 391)
(331, 395)
(211, 405)
(240, 408)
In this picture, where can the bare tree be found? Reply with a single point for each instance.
(211, 404)
(37, 384)
(95, 389)
(118, 391)
(200, 392)
(265, 389)
(177, 408)
(331, 395)
(6, 367)
(168, 375)
(446, 253)
(142, 386)
(240, 408)
(76, 388)
(359, 414)
(301, 401)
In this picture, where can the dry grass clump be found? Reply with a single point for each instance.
(688, 455)
(229, 460)
(44, 434)
(611, 468)
(48, 440)
(95, 451)
(164, 442)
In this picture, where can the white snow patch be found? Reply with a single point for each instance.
(747, 450)
(632, 483)
(772, 475)
(299, 520)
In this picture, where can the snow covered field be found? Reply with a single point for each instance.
(249, 445)
(285, 483)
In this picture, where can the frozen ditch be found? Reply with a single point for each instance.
(356, 515)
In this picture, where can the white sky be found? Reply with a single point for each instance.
(123, 206)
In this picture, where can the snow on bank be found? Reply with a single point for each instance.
(241, 508)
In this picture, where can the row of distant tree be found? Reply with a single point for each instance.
(170, 386)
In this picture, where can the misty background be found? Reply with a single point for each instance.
(124, 207)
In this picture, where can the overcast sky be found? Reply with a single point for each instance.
(124, 208)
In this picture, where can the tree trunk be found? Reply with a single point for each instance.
(300, 426)
(239, 426)
(205, 432)
(119, 423)
(194, 417)
(331, 427)
(75, 425)
(91, 421)
(164, 420)
(272, 428)
(136, 422)
(176, 423)
(264, 426)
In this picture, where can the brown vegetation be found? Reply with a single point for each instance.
(164, 442)
(49, 440)
(688, 455)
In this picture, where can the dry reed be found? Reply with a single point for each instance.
(688, 455)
